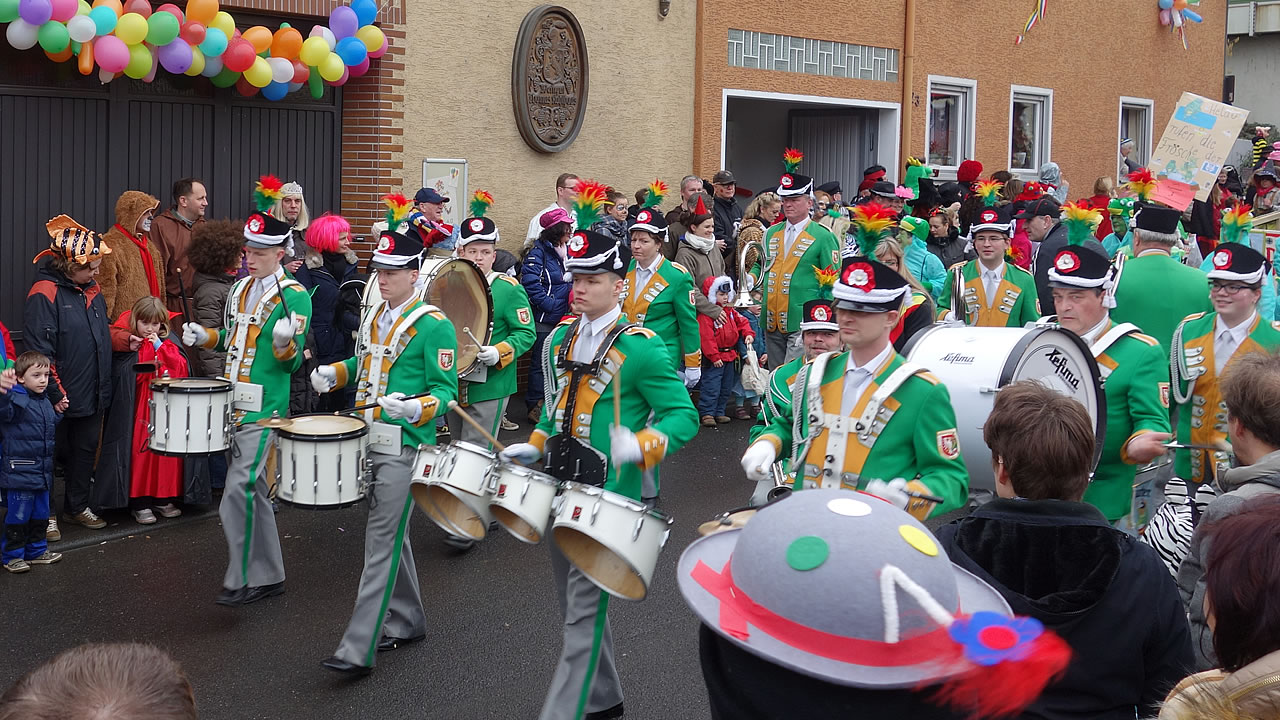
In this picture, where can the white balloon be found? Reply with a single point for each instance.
(329, 37)
(294, 87)
(81, 28)
(212, 66)
(281, 70)
(21, 34)
(105, 77)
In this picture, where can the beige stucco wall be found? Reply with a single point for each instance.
(639, 120)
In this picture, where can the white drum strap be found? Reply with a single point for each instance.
(807, 391)
(1102, 344)
(373, 353)
(238, 358)
(838, 425)
(890, 385)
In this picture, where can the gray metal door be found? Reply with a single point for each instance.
(835, 144)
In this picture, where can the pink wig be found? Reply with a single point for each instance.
(323, 232)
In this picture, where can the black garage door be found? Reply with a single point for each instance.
(71, 144)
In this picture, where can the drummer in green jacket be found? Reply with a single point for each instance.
(838, 432)
(659, 294)
(405, 361)
(1131, 364)
(592, 361)
(996, 293)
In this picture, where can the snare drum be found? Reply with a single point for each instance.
(522, 500)
(323, 460)
(423, 470)
(459, 490)
(612, 539)
(191, 416)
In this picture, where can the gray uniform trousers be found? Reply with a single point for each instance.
(586, 679)
(782, 347)
(386, 603)
(488, 413)
(249, 523)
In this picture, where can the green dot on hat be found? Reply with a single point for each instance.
(807, 553)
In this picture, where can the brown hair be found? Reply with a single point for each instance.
(66, 267)
(30, 359)
(215, 247)
(149, 309)
(1242, 581)
(122, 681)
(564, 178)
(1056, 465)
(641, 194)
(614, 196)
(1104, 186)
(1250, 388)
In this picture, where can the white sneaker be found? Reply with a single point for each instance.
(52, 533)
(144, 516)
(168, 510)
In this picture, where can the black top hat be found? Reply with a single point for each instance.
(1156, 218)
(649, 220)
(397, 251)
(1235, 261)
(819, 315)
(262, 231)
(794, 184)
(591, 253)
(1080, 266)
(991, 218)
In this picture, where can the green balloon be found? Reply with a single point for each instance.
(139, 62)
(225, 79)
(8, 10)
(316, 84)
(53, 36)
(162, 28)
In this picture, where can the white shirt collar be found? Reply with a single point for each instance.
(263, 281)
(875, 363)
(1239, 332)
(998, 271)
(595, 327)
(1091, 335)
(1153, 251)
(798, 227)
(652, 267)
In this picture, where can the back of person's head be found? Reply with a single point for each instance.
(1043, 438)
(504, 260)
(1242, 584)
(641, 194)
(1251, 390)
(1103, 186)
(216, 246)
(1003, 176)
(1155, 238)
(117, 681)
(28, 360)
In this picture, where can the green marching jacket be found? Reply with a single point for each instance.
(513, 335)
(1015, 304)
(666, 306)
(650, 388)
(788, 280)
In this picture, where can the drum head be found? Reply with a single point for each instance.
(466, 513)
(192, 385)
(461, 292)
(335, 427)
(603, 566)
(1060, 360)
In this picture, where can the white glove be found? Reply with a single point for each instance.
(397, 409)
(894, 491)
(692, 376)
(950, 317)
(283, 332)
(748, 283)
(194, 334)
(624, 446)
(324, 379)
(758, 460)
(488, 355)
(523, 453)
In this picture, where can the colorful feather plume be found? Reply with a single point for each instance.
(654, 195)
(791, 159)
(1081, 221)
(398, 207)
(870, 223)
(1142, 183)
(826, 280)
(480, 203)
(989, 191)
(588, 204)
(266, 192)
(1236, 223)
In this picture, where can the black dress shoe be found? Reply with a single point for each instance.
(393, 643)
(231, 598)
(254, 594)
(613, 713)
(339, 665)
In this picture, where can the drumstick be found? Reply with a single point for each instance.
(373, 405)
(186, 306)
(1182, 446)
(453, 406)
(280, 291)
(467, 330)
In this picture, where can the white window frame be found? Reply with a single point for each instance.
(968, 90)
(1150, 107)
(1045, 96)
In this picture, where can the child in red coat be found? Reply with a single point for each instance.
(719, 354)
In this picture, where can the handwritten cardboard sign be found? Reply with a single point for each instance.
(1196, 142)
(1174, 193)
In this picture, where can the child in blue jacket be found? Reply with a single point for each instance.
(27, 423)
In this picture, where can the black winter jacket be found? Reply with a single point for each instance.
(333, 318)
(727, 216)
(950, 249)
(27, 424)
(68, 323)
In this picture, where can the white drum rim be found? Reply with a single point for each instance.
(193, 386)
(617, 499)
(290, 433)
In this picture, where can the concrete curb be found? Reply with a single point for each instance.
(121, 526)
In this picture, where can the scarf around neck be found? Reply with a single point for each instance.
(701, 244)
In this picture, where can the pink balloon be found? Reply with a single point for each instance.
(142, 7)
(192, 32)
(174, 10)
(111, 53)
(380, 51)
(1165, 17)
(64, 10)
(361, 69)
(346, 75)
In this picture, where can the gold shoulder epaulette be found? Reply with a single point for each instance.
(637, 330)
(680, 267)
(508, 278)
(1145, 338)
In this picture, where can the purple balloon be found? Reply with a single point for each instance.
(39, 12)
(342, 21)
(176, 56)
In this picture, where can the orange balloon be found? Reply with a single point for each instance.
(63, 56)
(259, 37)
(202, 11)
(113, 4)
(85, 63)
(286, 43)
(1179, 4)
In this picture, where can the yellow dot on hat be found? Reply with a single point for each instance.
(918, 539)
(807, 553)
(849, 507)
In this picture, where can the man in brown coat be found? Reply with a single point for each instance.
(172, 231)
(135, 267)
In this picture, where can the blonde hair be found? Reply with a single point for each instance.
(1104, 186)
(149, 309)
(759, 203)
(889, 248)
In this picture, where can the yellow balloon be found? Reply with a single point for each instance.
(197, 62)
(131, 28)
(314, 51)
(139, 62)
(331, 67)
(259, 73)
(371, 36)
(224, 22)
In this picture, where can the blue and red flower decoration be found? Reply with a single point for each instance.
(990, 638)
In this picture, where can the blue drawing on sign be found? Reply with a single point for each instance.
(1190, 113)
(1211, 168)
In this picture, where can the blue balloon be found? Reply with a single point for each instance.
(1165, 4)
(352, 51)
(1192, 15)
(366, 11)
(104, 19)
(215, 43)
(275, 90)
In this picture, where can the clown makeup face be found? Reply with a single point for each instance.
(144, 222)
(480, 253)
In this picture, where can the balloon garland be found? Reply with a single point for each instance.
(133, 40)
(1175, 14)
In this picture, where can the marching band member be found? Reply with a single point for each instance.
(867, 414)
(589, 359)
(1132, 367)
(264, 345)
(404, 348)
(793, 249)
(996, 293)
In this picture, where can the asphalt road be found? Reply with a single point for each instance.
(489, 653)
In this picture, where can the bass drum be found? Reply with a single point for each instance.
(461, 291)
(975, 362)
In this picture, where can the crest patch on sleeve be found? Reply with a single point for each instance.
(949, 444)
(522, 314)
(1164, 394)
(445, 357)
